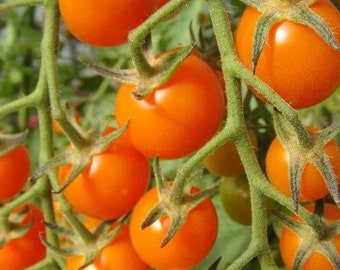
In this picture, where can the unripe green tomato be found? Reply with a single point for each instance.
(235, 197)
(225, 160)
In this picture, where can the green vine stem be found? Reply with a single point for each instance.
(49, 46)
(49, 50)
(137, 37)
(43, 97)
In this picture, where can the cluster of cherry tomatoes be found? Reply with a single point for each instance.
(175, 120)
(124, 166)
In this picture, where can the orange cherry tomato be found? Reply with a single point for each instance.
(25, 251)
(104, 23)
(313, 186)
(15, 168)
(177, 118)
(296, 62)
(290, 241)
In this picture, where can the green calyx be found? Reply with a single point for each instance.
(298, 11)
(175, 200)
(308, 150)
(88, 247)
(10, 141)
(11, 226)
(94, 143)
(156, 72)
(318, 238)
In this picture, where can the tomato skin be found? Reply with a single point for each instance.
(119, 254)
(12, 180)
(225, 160)
(27, 250)
(160, 3)
(313, 186)
(104, 23)
(289, 243)
(111, 185)
(177, 118)
(295, 62)
(187, 248)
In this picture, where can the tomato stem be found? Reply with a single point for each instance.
(138, 37)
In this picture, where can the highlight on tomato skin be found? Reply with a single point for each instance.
(171, 122)
(12, 179)
(111, 184)
(296, 62)
(104, 23)
(190, 245)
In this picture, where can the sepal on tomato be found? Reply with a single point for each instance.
(11, 227)
(10, 141)
(94, 143)
(161, 68)
(175, 200)
(316, 238)
(274, 11)
(102, 235)
(308, 151)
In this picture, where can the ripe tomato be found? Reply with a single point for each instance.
(296, 62)
(119, 254)
(289, 243)
(27, 250)
(313, 186)
(12, 179)
(177, 118)
(187, 248)
(225, 160)
(110, 185)
(104, 23)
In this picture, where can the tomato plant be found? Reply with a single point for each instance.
(119, 254)
(313, 186)
(164, 122)
(200, 60)
(225, 160)
(26, 250)
(13, 180)
(290, 241)
(188, 247)
(293, 49)
(106, 23)
(110, 185)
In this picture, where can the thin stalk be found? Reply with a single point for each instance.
(282, 106)
(49, 60)
(49, 49)
(137, 36)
